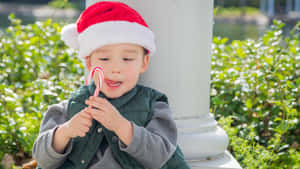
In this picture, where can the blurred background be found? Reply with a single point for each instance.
(30, 11)
(242, 19)
(235, 19)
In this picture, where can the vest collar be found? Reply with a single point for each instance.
(117, 102)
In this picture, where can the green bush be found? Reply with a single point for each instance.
(36, 70)
(61, 4)
(235, 11)
(252, 155)
(256, 83)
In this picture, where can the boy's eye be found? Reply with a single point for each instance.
(103, 58)
(127, 59)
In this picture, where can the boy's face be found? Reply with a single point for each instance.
(122, 64)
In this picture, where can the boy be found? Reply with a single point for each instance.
(127, 125)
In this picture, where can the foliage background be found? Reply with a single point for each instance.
(254, 91)
(255, 94)
(36, 70)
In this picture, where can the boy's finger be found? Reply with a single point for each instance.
(83, 111)
(97, 114)
(85, 129)
(81, 134)
(96, 104)
(87, 115)
(99, 100)
(87, 123)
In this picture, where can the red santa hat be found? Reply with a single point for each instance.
(107, 22)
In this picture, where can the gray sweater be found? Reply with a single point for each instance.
(152, 145)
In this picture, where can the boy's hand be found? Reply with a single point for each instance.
(104, 112)
(79, 124)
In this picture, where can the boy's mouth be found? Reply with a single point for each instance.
(113, 84)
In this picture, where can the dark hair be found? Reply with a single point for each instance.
(145, 51)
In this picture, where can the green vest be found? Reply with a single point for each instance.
(137, 106)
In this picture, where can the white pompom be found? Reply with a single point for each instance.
(69, 35)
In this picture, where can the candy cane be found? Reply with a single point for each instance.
(100, 77)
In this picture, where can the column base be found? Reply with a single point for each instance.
(223, 161)
(204, 143)
(201, 137)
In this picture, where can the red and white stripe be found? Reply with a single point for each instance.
(100, 77)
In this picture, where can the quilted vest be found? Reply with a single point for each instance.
(137, 106)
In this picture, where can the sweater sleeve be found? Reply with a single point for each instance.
(43, 151)
(154, 144)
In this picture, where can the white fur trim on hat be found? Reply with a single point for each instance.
(111, 32)
(69, 35)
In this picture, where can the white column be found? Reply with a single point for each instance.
(297, 6)
(288, 6)
(263, 6)
(181, 69)
(271, 5)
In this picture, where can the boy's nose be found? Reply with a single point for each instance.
(116, 70)
(116, 67)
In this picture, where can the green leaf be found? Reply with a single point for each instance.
(249, 103)
(269, 60)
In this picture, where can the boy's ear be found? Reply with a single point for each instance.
(88, 63)
(145, 64)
